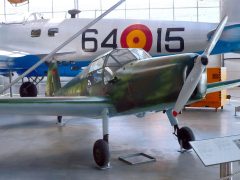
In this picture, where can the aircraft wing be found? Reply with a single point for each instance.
(218, 86)
(55, 106)
(15, 61)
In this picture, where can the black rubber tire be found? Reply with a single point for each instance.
(59, 119)
(185, 135)
(101, 153)
(28, 89)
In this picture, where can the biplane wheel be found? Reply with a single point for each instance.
(28, 89)
(101, 153)
(185, 135)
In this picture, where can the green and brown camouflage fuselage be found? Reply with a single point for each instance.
(141, 85)
(149, 84)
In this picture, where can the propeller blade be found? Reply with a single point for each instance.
(198, 68)
(215, 37)
(189, 86)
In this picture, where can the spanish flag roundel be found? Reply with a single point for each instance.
(137, 36)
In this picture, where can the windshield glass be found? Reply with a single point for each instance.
(123, 56)
(140, 54)
(119, 57)
(97, 64)
(106, 65)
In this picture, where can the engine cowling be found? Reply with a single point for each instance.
(201, 89)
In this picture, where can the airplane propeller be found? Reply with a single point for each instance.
(198, 68)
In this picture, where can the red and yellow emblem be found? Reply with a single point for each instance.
(137, 36)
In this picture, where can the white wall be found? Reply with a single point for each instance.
(230, 8)
(232, 62)
(214, 61)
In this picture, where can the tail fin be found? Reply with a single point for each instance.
(53, 79)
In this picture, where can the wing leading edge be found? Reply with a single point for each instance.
(16, 61)
(218, 86)
(55, 106)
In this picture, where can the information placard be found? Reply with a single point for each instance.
(218, 150)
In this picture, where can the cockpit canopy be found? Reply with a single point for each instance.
(104, 67)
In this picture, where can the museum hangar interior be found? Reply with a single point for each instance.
(187, 61)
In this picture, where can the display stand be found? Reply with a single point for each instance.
(226, 171)
(237, 109)
(219, 151)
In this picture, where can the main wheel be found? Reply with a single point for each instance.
(185, 135)
(101, 153)
(28, 89)
(59, 119)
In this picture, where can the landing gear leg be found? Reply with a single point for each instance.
(10, 81)
(184, 134)
(101, 152)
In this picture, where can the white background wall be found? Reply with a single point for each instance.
(231, 8)
(232, 62)
(214, 61)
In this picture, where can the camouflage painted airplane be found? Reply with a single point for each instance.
(110, 85)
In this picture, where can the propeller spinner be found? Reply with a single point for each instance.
(198, 68)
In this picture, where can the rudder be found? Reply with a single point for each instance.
(53, 79)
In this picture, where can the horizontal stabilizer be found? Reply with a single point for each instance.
(230, 34)
(218, 86)
(229, 40)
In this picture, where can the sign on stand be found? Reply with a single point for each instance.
(222, 151)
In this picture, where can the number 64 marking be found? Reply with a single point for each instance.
(93, 41)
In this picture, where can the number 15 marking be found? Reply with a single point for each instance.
(169, 38)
